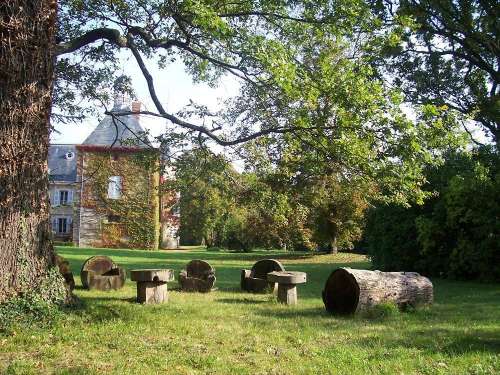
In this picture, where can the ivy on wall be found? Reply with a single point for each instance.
(133, 219)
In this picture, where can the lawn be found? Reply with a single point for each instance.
(231, 332)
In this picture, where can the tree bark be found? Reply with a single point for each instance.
(333, 246)
(349, 291)
(27, 37)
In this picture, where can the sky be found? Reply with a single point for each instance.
(175, 89)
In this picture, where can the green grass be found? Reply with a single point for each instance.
(228, 331)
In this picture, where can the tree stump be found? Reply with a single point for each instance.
(65, 271)
(287, 285)
(348, 291)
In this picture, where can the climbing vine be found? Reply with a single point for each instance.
(132, 220)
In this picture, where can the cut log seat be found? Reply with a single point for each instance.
(199, 276)
(255, 280)
(99, 272)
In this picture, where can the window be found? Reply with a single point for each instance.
(63, 197)
(115, 187)
(61, 225)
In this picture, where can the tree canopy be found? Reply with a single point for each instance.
(308, 75)
(446, 52)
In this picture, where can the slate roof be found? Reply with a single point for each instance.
(127, 128)
(62, 167)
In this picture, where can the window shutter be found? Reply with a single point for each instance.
(70, 196)
(111, 189)
(56, 197)
(68, 226)
(114, 187)
(54, 224)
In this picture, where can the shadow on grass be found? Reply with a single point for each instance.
(240, 301)
(449, 341)
(77, 256)
(291, 312)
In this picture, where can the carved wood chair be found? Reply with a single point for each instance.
(101, 273)
(255, 280)
(199, 276)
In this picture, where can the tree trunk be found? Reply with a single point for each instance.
(27, 37)
(333, 246)
(348, 291)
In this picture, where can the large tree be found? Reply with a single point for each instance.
(27, 39)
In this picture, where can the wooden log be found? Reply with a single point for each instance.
(348, 291)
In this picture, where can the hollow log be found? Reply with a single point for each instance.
(348, 291)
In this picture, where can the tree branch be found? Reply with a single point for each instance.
(112, 35)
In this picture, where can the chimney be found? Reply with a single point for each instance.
(136, 107)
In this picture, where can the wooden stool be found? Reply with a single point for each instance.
(152, 284)
(287, 285)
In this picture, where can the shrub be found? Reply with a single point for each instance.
(26, 312)
(455, 233)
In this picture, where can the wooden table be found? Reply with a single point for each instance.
(152, 284)
(287, 284)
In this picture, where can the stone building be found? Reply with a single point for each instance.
(62, 187)
(104, 192)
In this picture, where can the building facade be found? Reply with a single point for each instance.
(105, 192)
(62, 188)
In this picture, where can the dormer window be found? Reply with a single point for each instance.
(69, 155)
(115, 187)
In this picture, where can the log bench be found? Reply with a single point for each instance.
(152, 284)
(287, 285)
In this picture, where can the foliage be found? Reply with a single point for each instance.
(40, 306)
(306, 73)
(454, 234)
(445, 53)
(207, 204)
(26, 312)
(259, 208)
